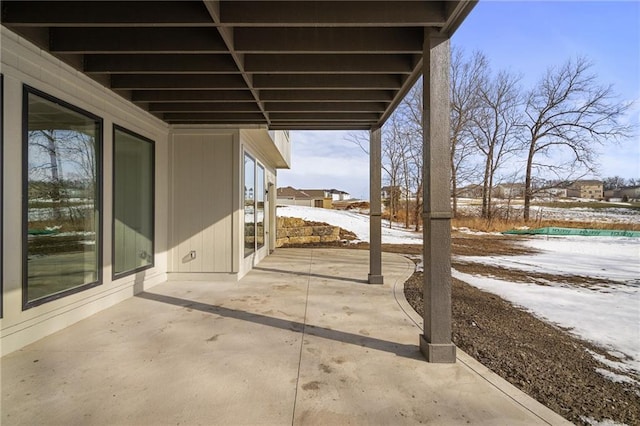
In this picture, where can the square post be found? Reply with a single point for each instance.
(435, 343)
(375, 207)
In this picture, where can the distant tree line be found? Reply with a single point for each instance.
(617, 182)
(502, 132)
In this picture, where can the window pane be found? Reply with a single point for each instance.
(62, 198)
(249, 205)
(133, 186)
(260, 207)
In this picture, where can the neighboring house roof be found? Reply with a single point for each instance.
(337, 191)
(291, 192)
(315, 193)
(580, 183)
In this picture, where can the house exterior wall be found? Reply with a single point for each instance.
(202, 198)
(201, 177)
(207, 201)
(23, 63)
(586, 190)
(296, 202)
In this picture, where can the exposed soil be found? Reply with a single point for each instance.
(543, 360)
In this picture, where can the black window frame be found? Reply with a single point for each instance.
(99, 145)
(115, 275)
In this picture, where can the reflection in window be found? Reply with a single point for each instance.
(260, 207)
(62, 200)
(133, 186)
(249, 204)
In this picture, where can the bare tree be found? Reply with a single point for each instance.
(467, 76)
(567, 114)
(495, 128)
(393, 158)
(613, 182)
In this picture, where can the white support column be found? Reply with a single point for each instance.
(375, 207)
(435, 343)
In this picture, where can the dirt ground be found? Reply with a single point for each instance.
(543, 360)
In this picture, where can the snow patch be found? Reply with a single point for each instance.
(356, 222)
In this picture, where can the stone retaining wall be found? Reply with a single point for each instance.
(291, 230)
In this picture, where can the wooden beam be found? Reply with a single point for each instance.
(203, 107)
(104, 13)
(177, 82)
(152, 96)
(328, 40)
(160, 63)
(312, 117)
(323, 63)
(305, 95)
(318, 126)
(377, 107)
(136, 40)
(231, 117)
(326, 81)
(332, 13)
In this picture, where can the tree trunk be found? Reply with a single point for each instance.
(527, 180)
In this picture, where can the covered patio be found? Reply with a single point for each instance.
(202, 66)
(301, 339)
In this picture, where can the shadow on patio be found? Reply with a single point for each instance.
(294, 342)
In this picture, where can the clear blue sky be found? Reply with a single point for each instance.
(524, 37)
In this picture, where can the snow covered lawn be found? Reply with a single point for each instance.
(606, 314)
(355, 222)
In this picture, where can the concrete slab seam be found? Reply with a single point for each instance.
(304, 329)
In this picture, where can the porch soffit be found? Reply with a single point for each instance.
(279, 64)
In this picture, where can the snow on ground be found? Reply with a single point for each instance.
(610, 318)
(355, 222)
(617, 213)
(608, 315)
(610, 258)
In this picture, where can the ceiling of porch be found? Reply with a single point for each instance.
(281, 64)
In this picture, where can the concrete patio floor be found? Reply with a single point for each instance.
(302, 340)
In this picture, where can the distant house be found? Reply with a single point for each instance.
(337, 195)
(509, 190)
(387, 192)
(629, 193)
(322, 198)
(470, 191)
(592, 189)
(555, 192)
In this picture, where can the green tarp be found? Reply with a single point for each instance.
(552, 230)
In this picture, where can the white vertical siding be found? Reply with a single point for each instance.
(202, 175)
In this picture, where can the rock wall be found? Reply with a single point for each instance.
(291, 230)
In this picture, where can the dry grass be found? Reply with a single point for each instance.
(501, 225)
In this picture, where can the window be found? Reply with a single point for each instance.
(62, 156)
(254, 195)
(133, 202)
(249, 204)
(260, 207)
